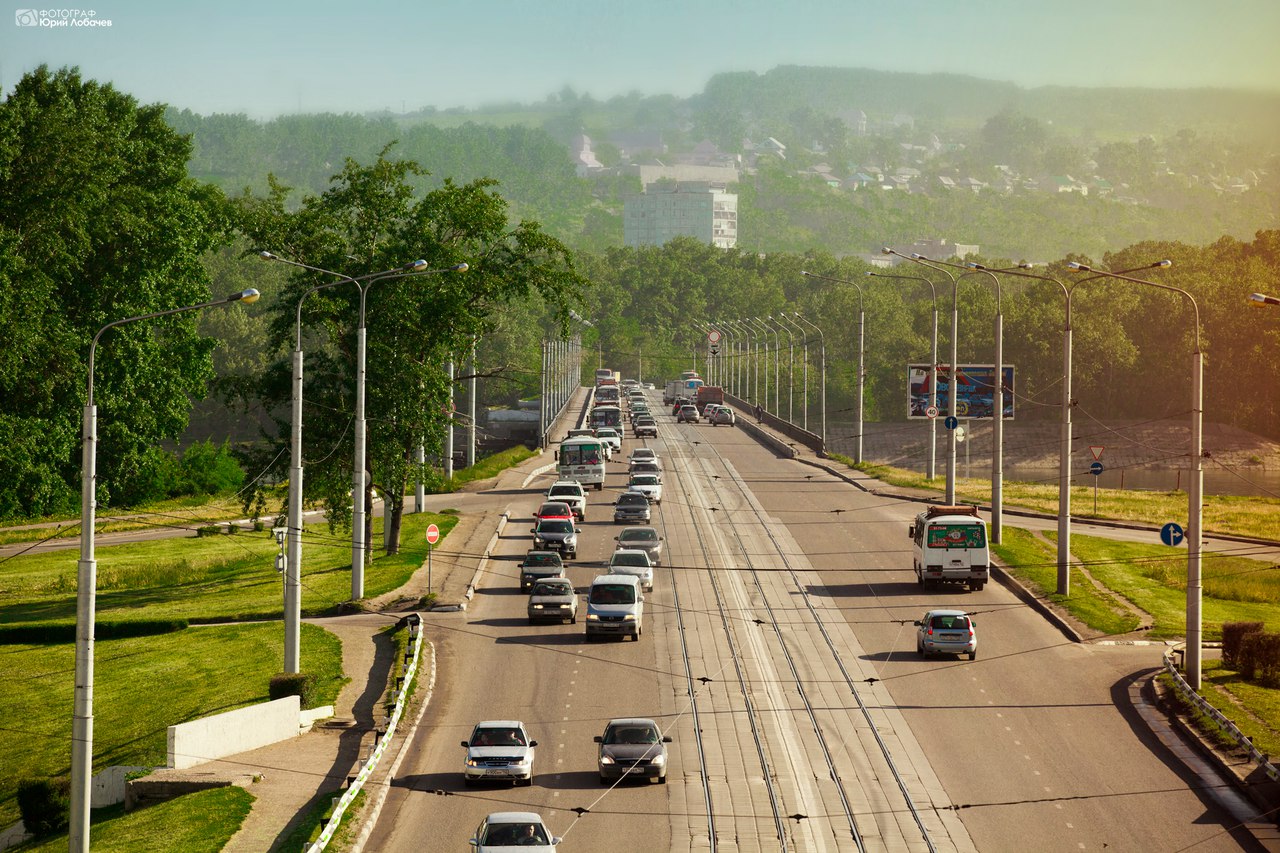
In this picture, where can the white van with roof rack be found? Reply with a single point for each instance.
(950, 546)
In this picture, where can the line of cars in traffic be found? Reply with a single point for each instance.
(629, 747)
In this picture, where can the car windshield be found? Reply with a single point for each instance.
(613, 593)
(631, 734)
(551, 589)
(644, 480)
(556, 508)
(633, 500)
(638, 536)
(570, 491)
(629, 560)
(555, 526)
(541, 558)
(515, 835)
(503, 736)
(606, 433)
(949, 622)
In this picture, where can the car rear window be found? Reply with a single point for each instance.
(949, 622)
(551, 589)
(633, 500)
(956, 536)
(639, 536)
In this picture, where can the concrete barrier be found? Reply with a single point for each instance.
(233, 732)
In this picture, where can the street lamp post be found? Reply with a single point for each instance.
(931, 468)
(749, 364)
(1195, 491)
(754, 324)
(822, 352)
(86, 587)
(804, 358)
(862, 371)
(1262, 299)
(740, 340)
(777, 350)
(951, 371)
(791, 368)
(294, 558)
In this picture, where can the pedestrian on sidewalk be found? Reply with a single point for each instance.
(759, 414)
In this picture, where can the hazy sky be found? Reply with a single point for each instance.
(265, 58)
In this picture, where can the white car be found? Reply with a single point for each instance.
(524, 831)
(572, 493)
(499, 751)
(611, 437)
(643, 454)
(635, 562)
(649, 485)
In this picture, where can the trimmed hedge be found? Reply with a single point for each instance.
(54, 633)
(1233, 634)
(300, 684)
(1260, 658)
(45, 805)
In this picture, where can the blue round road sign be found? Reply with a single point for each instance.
(1095, 469)
(951, 422)
(1171, 533)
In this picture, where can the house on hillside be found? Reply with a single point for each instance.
(634, 144)
(584, 159)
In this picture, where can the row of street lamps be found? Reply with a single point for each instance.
(86, 591)
(743, 380)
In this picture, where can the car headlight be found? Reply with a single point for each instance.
(536, 606)
(591, 617)
(471, 762)
(606, 759)
(521, 762)
(630, 617)
(658, 759)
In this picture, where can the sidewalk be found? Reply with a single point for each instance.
(290, 777)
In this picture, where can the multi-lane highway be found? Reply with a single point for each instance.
(779, 654)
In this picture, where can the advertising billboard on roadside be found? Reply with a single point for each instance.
(975, 398)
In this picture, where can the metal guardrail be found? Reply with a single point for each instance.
(331, 826)
(1219, 719)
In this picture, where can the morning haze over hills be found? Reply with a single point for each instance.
(971, 160)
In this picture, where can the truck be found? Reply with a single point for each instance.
(708, 394)
(950, 546)
(606, 376)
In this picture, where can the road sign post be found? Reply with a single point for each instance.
(1095, 468)
(433, 536)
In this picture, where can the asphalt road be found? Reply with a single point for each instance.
(1036, 745)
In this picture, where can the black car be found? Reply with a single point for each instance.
(538, 565)
(631, 508)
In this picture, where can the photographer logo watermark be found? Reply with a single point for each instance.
(49, 19)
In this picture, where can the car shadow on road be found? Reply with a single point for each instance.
(546, 638)
(865, 590)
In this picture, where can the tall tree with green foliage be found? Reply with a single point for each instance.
(370, 219)
(98, 222)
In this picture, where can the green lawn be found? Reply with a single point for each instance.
(1153, 577)
(196, 823)
(141, 686)
(1230, 514)
(209, 579)
(1035, 563)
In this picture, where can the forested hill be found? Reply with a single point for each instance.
(1187, 165)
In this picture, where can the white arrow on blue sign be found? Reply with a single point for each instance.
(1171, 533)
(951, 422)
(1095, 468)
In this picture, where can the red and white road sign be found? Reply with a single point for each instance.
(1096, 450)
(714, 336)
(931, 412)
(433, 534)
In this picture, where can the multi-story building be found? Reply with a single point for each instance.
(700, 209)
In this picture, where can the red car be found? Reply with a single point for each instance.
(554, 509)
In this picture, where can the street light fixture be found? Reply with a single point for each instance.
(86, 587)
(804, 343)
(1195, 492)
(791, 368)
(1263, 299)
(738, 335)
(932, 468)
(358, 544)
(822, 351)
(777, 351)
(762, 401)
(862, 372)
(951, 372)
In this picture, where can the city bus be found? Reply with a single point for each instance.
(607, 416)
(581, 458)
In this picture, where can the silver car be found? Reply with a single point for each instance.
(634, 748)
(644, 538)
(946, 632)
(499, 751)
(553, 600)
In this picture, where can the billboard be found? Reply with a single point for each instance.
(975, 397)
